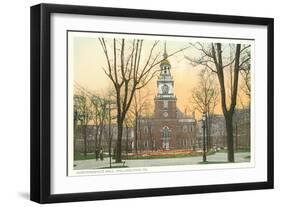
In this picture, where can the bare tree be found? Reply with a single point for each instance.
(150, 135)
(129, 69)
(100, 115)
(140, 100)
(83, 113)
(246, 73)
(148, 113)
(214, 57)
(205, 98)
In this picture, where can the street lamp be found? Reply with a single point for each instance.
(204, 136)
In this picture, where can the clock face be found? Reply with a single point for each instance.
(165, 114)
(165, 89)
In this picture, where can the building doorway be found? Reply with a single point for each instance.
(166, 138)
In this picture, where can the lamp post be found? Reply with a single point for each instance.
(204, 136)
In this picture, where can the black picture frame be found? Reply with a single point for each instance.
(41, 99)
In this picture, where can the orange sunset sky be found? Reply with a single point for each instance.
(87, 60)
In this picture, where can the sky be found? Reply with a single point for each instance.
(87, 61)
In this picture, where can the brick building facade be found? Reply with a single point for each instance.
(217, 137)
(168, 128)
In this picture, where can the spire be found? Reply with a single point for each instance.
(165, 55)
(165, 60)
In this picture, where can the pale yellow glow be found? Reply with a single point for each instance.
(89, 61)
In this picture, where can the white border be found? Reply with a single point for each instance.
(60, 183)
(71, 172)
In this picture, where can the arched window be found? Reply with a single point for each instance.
(184, 129)
(146, 130)
(165, 132)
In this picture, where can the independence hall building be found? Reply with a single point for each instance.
(168, 128)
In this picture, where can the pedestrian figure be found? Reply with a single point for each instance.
(101, 154)
(97, 154)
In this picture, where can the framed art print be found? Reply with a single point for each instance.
(132, 103)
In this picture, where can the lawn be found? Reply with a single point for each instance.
(235, 151)
(89, 156)
(213, 162)
(117, 166)
(165, 154)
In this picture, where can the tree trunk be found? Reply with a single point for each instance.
(140, 137)
(136, 134)
(100, 136)
(229, 137)
(151, 139)
(109, 135)
(118, 158)
(127, 139)
(110, 142)
(209, 132)
(85, 139)
(96, 138)
(75, 137)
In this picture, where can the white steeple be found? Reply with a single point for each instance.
(165, 82)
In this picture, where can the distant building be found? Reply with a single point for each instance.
(242, 128)
(216, 136)
(103, 140)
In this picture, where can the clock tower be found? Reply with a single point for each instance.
(165, 100)
(169, 128)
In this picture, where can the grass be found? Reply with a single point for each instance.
(80, 156)
(213, 162)
(193, 154)
(238, 150)
(89, 156)
(116, 166)
(248, 157)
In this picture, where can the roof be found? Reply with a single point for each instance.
(165, 62)
(181, 115)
